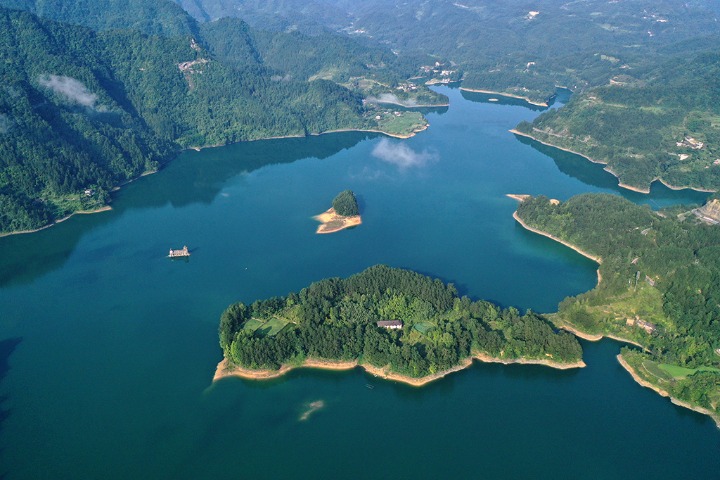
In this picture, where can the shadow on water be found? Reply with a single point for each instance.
(556, 100)
(497, 99)
(191, 178)
(198, 177)
(7, 347)
(594, 174)
(28, 256)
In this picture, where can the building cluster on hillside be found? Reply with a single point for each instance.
(437, 69)
(690, 142)
(407, 87)
(638, 322)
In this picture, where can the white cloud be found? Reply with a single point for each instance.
(70, 88)
(392, 98)
(400, 154)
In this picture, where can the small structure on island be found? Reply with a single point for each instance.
(184, 252)
(391, 324)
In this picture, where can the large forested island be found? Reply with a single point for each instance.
(334, 322)
(660, 288)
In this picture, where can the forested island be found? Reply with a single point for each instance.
(393, 322)
(343, 214)
(660, 289)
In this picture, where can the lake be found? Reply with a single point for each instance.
(108, 348)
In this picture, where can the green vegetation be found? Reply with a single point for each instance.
(336, 319)
(153, 17)
(345, 204)
(665, 124)
(82, 112)
(519, 48)
(699, 388)
(660, 285)
(400, 124)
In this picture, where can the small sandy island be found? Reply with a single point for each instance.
(225, 369)
(331, 222)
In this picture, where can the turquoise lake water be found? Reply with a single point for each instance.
(107, 348)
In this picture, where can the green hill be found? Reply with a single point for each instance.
(663, 123)
(84, 111)
(660, 286)
(337, 319)
(153, 17)
(513, 46)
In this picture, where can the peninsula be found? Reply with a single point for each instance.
(343, 214)
(655, 292)
(342, 323)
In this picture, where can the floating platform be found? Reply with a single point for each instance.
(184, 252)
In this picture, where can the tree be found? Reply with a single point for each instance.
(345, 204)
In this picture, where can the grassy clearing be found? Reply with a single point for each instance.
(679, 372)
(272, 327)
(252, 324)
(655, 370)
(645, 303)
(403, 124)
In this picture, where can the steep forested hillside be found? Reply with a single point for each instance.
(154, 17)
(82, 112)
(663, 123)
(660, 286)
(511, 46)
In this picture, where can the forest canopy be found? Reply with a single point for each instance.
(660, 285)
(345, 204)
(336, 319)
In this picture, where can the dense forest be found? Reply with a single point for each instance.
(84, 111)
(336, 319)
(661, 123)
(517, 47)
(345, 204)
(660, 284)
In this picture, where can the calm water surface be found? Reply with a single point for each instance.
(107, 348)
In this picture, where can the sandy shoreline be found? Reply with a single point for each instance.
(595, 337)
(592, 337)
(79, 212)
(331, 222)
(339, 130)
(439, 105)
(664, 393)
(198, 149)
(224, 369)
(610, 171)
(508, 95)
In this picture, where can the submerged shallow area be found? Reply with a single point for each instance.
(108, 347)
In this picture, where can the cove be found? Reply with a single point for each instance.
(109, 347)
